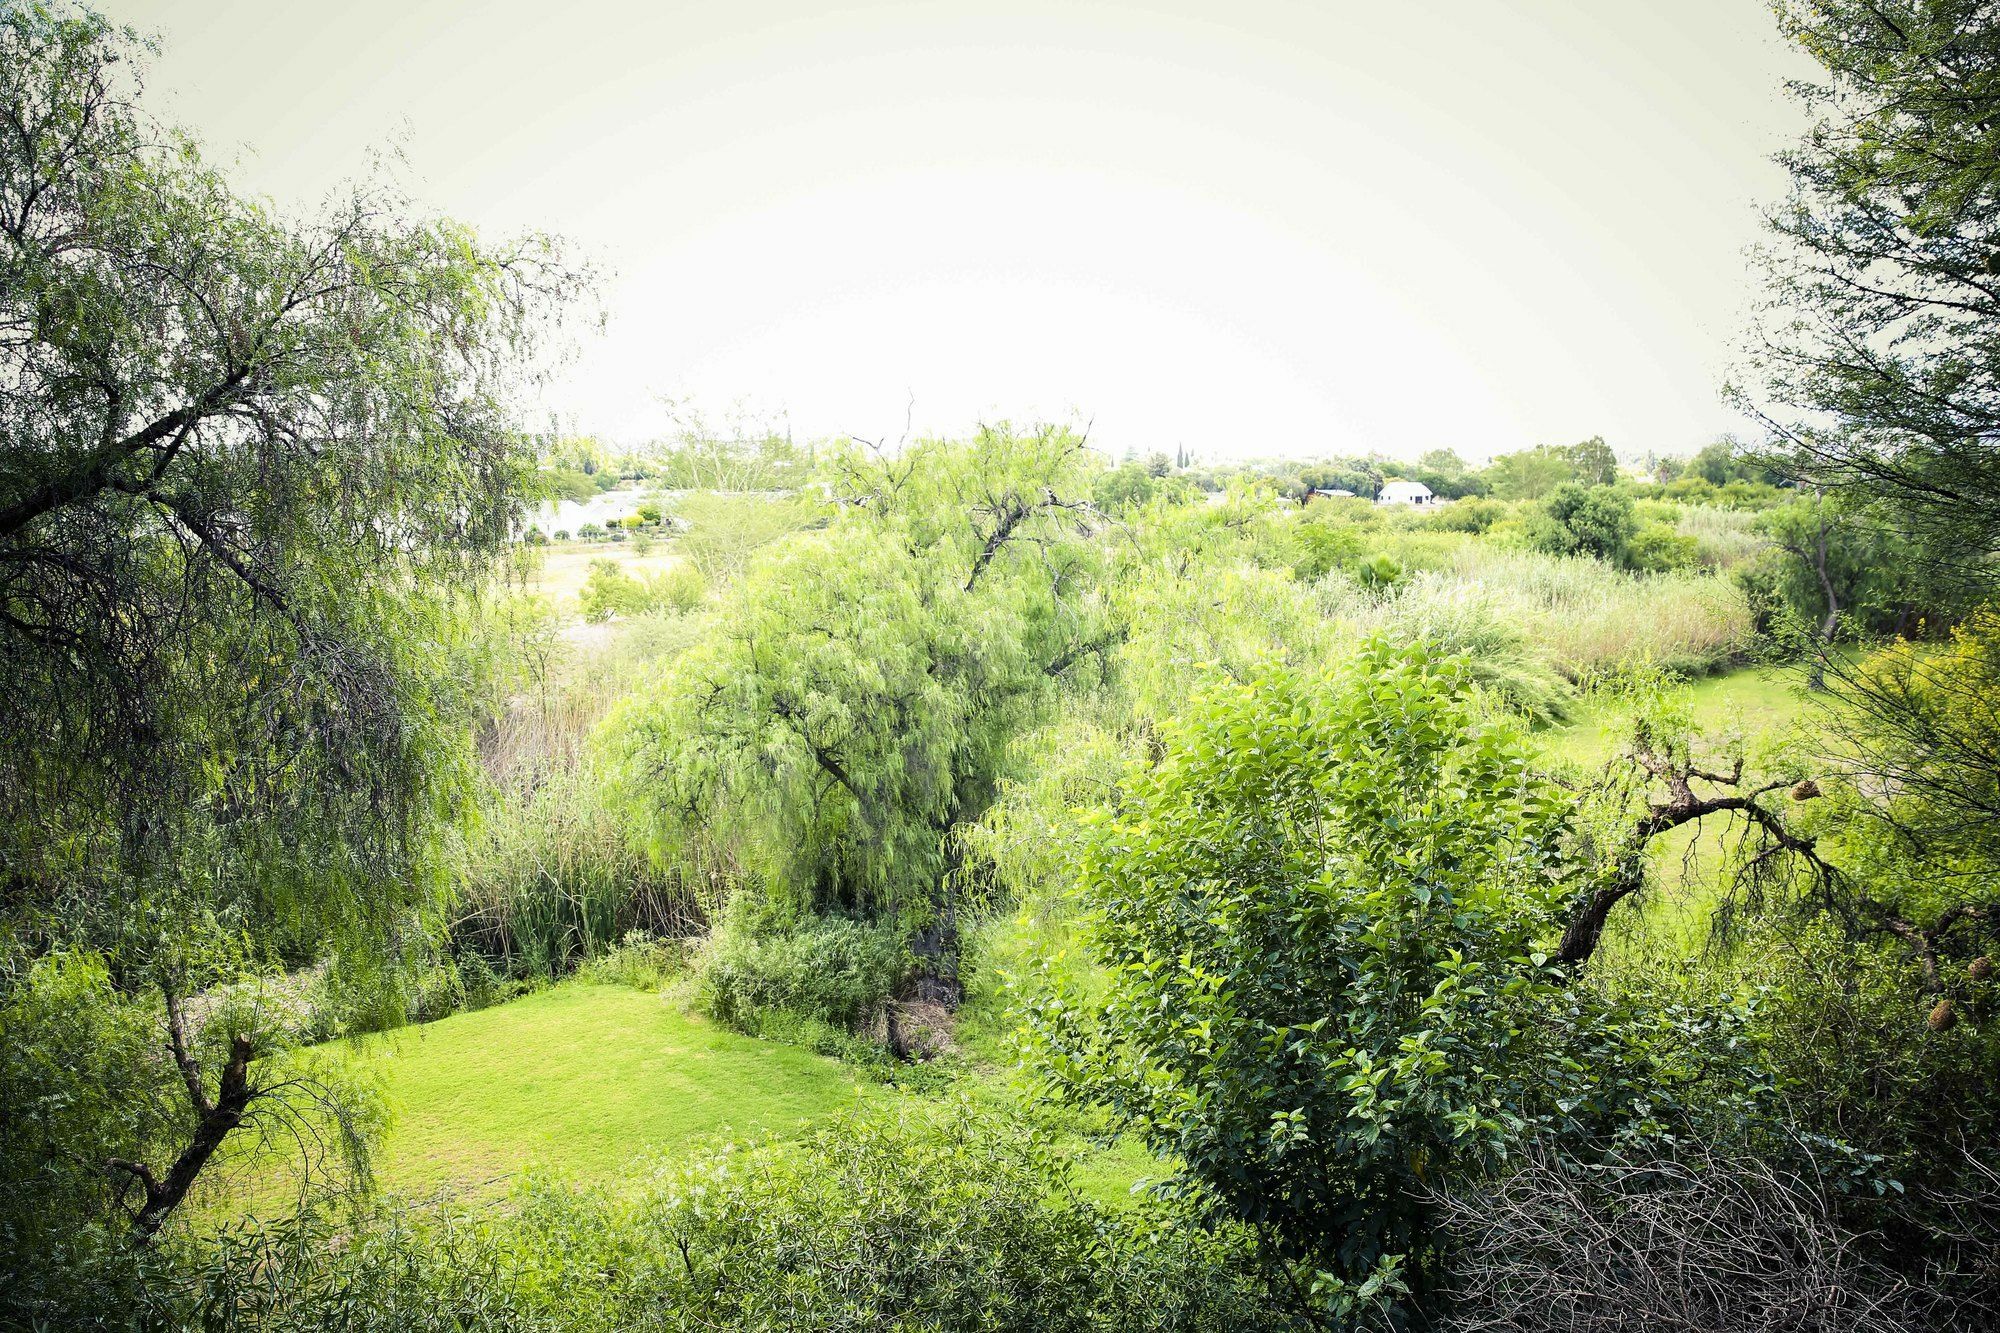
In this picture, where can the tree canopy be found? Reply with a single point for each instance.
(1878, 367)
(250, 468)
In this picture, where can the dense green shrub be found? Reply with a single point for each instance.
(610, 591)
(1656, 548)
(942, 1218)
(1584, 520)
(1323, 545)
(840, 971)
(1469, 515)
(1318, 918)
(79, 1081)
(641, 961)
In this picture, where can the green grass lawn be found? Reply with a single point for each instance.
(584, 1080)
(580, 1079)
(1754, 702)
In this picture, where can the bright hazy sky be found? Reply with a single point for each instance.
(1247, 227)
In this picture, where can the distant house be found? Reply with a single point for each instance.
(1405, 493)
(1327, 493)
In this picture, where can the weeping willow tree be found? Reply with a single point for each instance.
(251, 470)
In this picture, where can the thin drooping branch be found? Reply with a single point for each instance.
(99, 473)
(1082, 648)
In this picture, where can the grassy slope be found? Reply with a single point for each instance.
(581, 1078)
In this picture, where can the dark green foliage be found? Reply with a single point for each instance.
(85, 1083)
(1880, 370)
(250, 468)
(1379, 572)
(251, 473)
(1851, 1039)
(1836, 564)
(1727, 462)
(1655, 548)
(941, 1219)
(78, 1080)
(1578, 520)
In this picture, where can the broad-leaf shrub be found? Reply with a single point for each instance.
(1578, 520)
(1320, 914)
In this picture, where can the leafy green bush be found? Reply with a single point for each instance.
(640, 960)
(1323, 546)
(1319, 916)
(1656, 548)
(1469, 515)
(930, 1218)
(835, 970)
(611, 591)
(1584, 520)
(80, 1080)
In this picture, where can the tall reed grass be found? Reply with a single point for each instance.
(1724, 538)
(1592, 620)
(554, 876)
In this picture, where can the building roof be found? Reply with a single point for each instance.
(1404, 490)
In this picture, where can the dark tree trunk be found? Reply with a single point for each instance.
(215, 1119)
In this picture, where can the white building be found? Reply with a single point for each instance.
(1405, 493)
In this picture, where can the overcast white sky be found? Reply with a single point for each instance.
(1247, 227)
